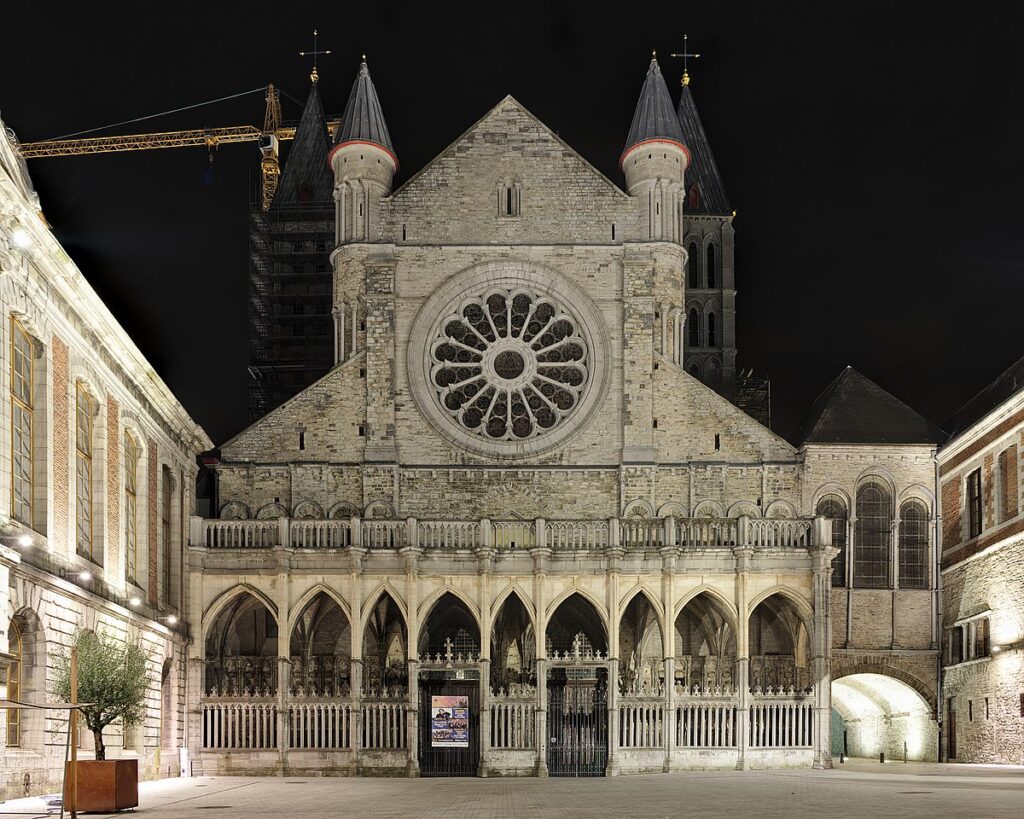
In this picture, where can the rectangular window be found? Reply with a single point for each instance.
(970, 710)
(83, 472)
(955, 645)
(131, 521)
(22, 466)
(979, 638)
(165, 531)
(974, 504)
(1008, 487)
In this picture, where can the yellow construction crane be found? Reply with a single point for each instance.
(268, 140)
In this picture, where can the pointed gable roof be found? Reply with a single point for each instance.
(654, 118)
(702, 169)
(363, 120)
(853, 409)
(306, 176)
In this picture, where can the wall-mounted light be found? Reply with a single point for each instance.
(134, 601)
(85, 575)
(172, 620)
(21, 237)
(24, 540)
(996, 649)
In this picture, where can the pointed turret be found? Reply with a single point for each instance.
(306, 177)
(704, 188)
(363, 161)
(363, 121)
(654, 120)
(655, 159)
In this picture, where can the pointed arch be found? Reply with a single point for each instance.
(513, 643)
(384, 632)
(224, 599)
(652, 598)
(572, 613)
(801, 605)
(431, 600)
(240, 634)
(565, 595)
(704, 637)
(448, 615)
(373, 598)
(524, 598)
(728, 606)
(308, 595)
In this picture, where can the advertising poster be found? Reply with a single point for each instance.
(449, 722)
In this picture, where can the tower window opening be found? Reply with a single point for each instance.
(718, 442)
(302, 440)
(711, 330)
(508, 201)
(712, 277)
(403, 233)
(613, 231)
(693, 273)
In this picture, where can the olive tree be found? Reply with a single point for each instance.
(112, 677)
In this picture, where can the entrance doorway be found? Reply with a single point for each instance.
(577, 721)
(439, 756)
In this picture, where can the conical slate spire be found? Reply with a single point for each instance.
(709, 195)
(654, 117)
(306, 176)
(363, 120)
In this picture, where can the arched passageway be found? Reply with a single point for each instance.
(874, 714)
(241, 650)
(385, 650)
(576, 627)
(450, 628)
(778, 646)
(513, 646)
(641, 664)
(320, 649)
(705, 645)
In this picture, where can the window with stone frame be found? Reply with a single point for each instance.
(693, 266)
(84, 529)
(833, 507)
(14, 668)
(510, 197)
(22, 409)
(974, 504)
(872, 537)
(167, 488)
(711, 271)
(1008, 485)
(955, 645)
(131, 513)
(979, 640)
(913, 545)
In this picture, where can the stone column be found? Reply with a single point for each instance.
(540, 557)
(822, 554)
(668, 648)
(541, 726)
(485, 558)
(615, 555)
(412, 555)
(284, 663)
(357, 632)
(743, 554)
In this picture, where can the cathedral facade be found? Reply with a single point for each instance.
(517, 528)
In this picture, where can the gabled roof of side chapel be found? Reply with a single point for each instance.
(853, 409)
(702, 170)
(306, 177)
(508, 100)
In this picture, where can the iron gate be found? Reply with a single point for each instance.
(449, 761)
(577, 722)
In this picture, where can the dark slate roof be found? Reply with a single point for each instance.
(853, 409)
(363, 119)
(702, 169)
(654, 117)
(1007, 385)
(306, 177)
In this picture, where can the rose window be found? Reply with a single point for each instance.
(510, 365)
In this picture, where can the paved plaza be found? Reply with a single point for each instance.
(858, 789)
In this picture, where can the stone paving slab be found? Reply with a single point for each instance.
(857, 789)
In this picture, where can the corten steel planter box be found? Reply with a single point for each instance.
(104, 786)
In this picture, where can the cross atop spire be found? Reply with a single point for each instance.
(314, 54)
(685, 56)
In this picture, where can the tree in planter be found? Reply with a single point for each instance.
(112, 675)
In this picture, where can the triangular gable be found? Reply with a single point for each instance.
(508, 102)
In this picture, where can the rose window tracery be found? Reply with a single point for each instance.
(509, 365)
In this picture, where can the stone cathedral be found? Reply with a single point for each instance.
(517, 529)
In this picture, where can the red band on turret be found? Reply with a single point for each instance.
(330, 156)
(659, 140)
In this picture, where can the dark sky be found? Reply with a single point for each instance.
(874, 152)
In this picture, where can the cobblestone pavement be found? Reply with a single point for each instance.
(857, 789)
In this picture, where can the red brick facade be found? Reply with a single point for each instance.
(951, 512)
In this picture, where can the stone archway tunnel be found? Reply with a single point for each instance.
(873, 714)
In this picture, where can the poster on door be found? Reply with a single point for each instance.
(449, 722)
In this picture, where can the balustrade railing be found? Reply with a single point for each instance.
(383, 725)
(783, 720)
(512, 718)
(641, 722)
(248, 723)
(320, 725)
(631, 534)
(705, 719)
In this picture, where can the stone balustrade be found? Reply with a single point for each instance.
(558, 536)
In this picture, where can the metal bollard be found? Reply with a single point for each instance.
(881, 757)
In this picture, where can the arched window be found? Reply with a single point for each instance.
(834, 508)
(693, 265)
(14, 685)
(167, 488)
(694, 329)
(711, 268)
(22, 403)
(712, 340)
(913, 545)
(872, 537)
(131, 516)
(84, 534)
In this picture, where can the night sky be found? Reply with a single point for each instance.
(874, 156)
